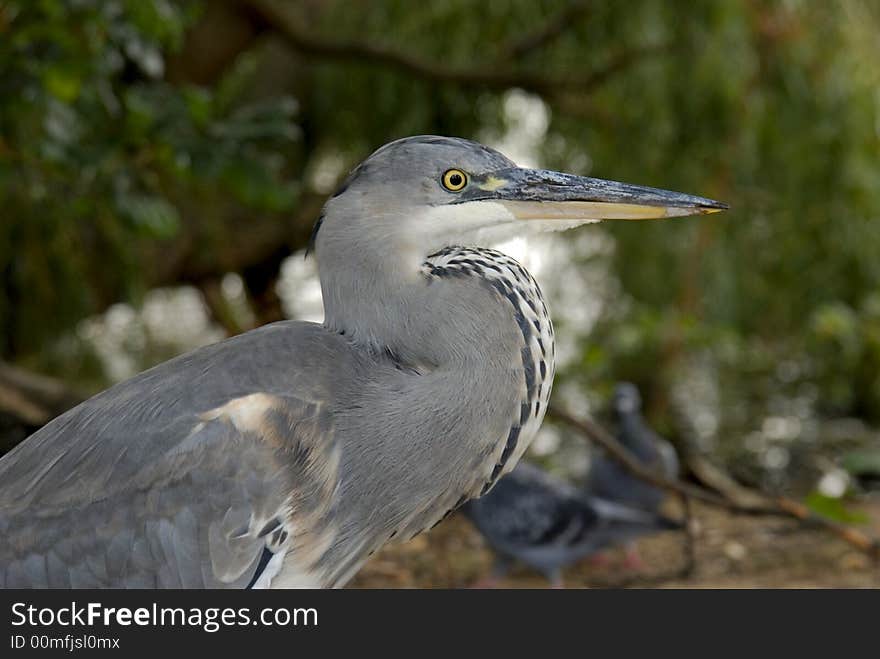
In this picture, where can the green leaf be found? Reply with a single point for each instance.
(833, 509)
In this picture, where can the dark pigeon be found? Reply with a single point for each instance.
(609, 479)
(547, 524)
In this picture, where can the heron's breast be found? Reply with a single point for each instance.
(480, 414)
(524, 301)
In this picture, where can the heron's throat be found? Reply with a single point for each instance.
(457, 305)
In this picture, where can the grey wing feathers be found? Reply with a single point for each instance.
(200, 515)
(190, 499)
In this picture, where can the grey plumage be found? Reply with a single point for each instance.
(182, 503)
(608, 479)
(547, 524)
(287, 455)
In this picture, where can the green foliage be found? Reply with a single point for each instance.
(94, 144)
(770, 106)
(845, 345)
(773, 108)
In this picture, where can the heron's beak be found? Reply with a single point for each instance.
(538, 194)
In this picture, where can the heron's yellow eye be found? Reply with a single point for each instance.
(454, 180)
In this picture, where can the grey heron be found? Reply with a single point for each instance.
(545, 523)
(285, 456)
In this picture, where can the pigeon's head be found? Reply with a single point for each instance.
(626, 399)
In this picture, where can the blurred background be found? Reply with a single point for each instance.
(162, 163)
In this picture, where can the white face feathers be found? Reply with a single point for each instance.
(481, 224)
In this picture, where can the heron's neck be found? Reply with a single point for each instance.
(474, 321)
(372, 297)
(460, 304)
(475, 325)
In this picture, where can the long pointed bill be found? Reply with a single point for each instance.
(538, 194)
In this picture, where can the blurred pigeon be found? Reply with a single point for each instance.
(547, 524)
(609, 480)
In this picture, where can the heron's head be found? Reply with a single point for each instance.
(626, 399)
(426, 192)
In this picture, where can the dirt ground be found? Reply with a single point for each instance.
(730, 552)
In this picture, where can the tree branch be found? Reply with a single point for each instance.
(773, 506)
(279, 18)
(554, 27)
